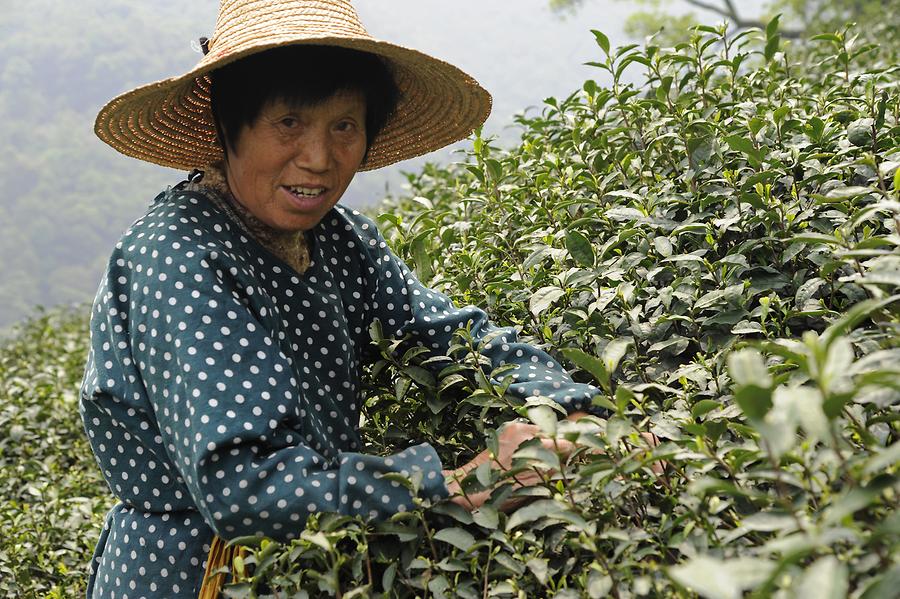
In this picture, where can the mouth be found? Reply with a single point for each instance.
(303, 192)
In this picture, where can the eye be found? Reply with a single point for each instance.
(288, 122)
(346, 126)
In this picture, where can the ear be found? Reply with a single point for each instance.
(220, 133)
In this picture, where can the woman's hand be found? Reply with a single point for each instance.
(512, 435)
(658, 468)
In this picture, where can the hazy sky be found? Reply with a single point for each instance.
(519, 50)
(521, 56)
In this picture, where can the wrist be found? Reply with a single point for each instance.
(451, 479)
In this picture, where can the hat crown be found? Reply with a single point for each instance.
(248, 22)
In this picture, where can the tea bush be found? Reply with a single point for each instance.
(52, 495)
(717, 250)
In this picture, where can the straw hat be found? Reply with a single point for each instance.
(170, 122)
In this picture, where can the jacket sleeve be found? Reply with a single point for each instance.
(406, 307)
(242, 428)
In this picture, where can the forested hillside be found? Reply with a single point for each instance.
(63, 199)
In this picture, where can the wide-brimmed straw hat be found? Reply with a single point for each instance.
(170, 122)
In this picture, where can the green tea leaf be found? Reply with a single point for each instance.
(580, 248)
(458, 537)
(602, 40)
(826, 578)
(487, 517)
(745, 146)
(614, 352)
(595, 366)
(772, 26)
(544, 417)
(716, 579)
(544, 508)
(544, 297)
(753, 382)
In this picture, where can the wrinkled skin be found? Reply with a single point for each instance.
(318, 147)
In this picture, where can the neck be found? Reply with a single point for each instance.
(290, 246)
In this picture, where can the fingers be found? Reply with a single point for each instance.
(576, 416)
(511, 437)
(561, 446)
(658, 468)
(519, 430)
(652, 439)
(471, 501)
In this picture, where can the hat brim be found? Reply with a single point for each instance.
(170, 122)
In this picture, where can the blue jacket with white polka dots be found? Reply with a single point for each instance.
(222, 390)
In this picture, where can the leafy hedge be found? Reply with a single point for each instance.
(717, 249)
(52, 495)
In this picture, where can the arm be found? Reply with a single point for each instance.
(406, 307)
(242, 421)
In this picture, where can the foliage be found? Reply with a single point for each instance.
(52, 496)
(717, 250)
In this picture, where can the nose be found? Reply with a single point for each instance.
(313, 151)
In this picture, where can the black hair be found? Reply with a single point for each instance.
(299, 75)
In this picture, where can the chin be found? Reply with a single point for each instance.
(296, 225)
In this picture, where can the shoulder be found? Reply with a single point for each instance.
(350, 235)
(346, 235)
(358, 231)
(181, 213)
(180, 227)
(182, 249)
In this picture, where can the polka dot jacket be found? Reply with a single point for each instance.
(222, 389)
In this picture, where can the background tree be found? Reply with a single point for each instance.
(799, 16)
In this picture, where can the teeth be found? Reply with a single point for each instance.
(310, 192)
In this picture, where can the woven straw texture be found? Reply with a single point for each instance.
(221, 555)
(170, 123)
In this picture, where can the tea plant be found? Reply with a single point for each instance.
(52, 495)
(717, 251)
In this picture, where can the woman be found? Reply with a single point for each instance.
(221, 393)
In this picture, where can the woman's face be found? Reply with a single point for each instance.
(293, 164)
